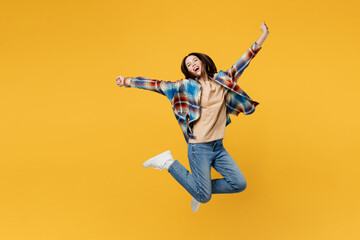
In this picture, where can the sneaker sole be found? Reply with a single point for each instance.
(194, 205)
(166, 153)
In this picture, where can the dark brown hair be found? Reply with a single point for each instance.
(207, 64)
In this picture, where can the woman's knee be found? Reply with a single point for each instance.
(239, 185)
(203, 197)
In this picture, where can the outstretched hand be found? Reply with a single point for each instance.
(263, 27)
(120, 81)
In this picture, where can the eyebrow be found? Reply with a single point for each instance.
(187, 64)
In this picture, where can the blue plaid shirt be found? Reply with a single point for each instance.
(184, 94)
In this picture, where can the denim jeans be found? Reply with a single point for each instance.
(203, 156)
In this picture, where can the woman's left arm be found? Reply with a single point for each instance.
(265, 33)
(238, 68)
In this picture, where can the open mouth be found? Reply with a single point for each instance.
(196, 69)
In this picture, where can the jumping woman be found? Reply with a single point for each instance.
(201, 104)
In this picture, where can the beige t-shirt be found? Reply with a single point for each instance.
(211, 124)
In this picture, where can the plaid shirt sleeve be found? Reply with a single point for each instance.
(237, 69)
(166, 88)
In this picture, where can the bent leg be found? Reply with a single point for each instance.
(233, 181)
(198, 184)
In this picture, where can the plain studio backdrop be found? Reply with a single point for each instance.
(73, 143)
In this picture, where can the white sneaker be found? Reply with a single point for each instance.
(158, 162)
(194, 205)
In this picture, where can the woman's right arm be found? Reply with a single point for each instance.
(166, 88)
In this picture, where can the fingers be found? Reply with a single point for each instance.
(264, 27)
(120, 81)
(265, 24)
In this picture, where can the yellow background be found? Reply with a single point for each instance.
(73, 142)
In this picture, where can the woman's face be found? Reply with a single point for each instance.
(193, 64)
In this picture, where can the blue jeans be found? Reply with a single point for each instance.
(203, 156)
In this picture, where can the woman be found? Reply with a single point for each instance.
(202, 103)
